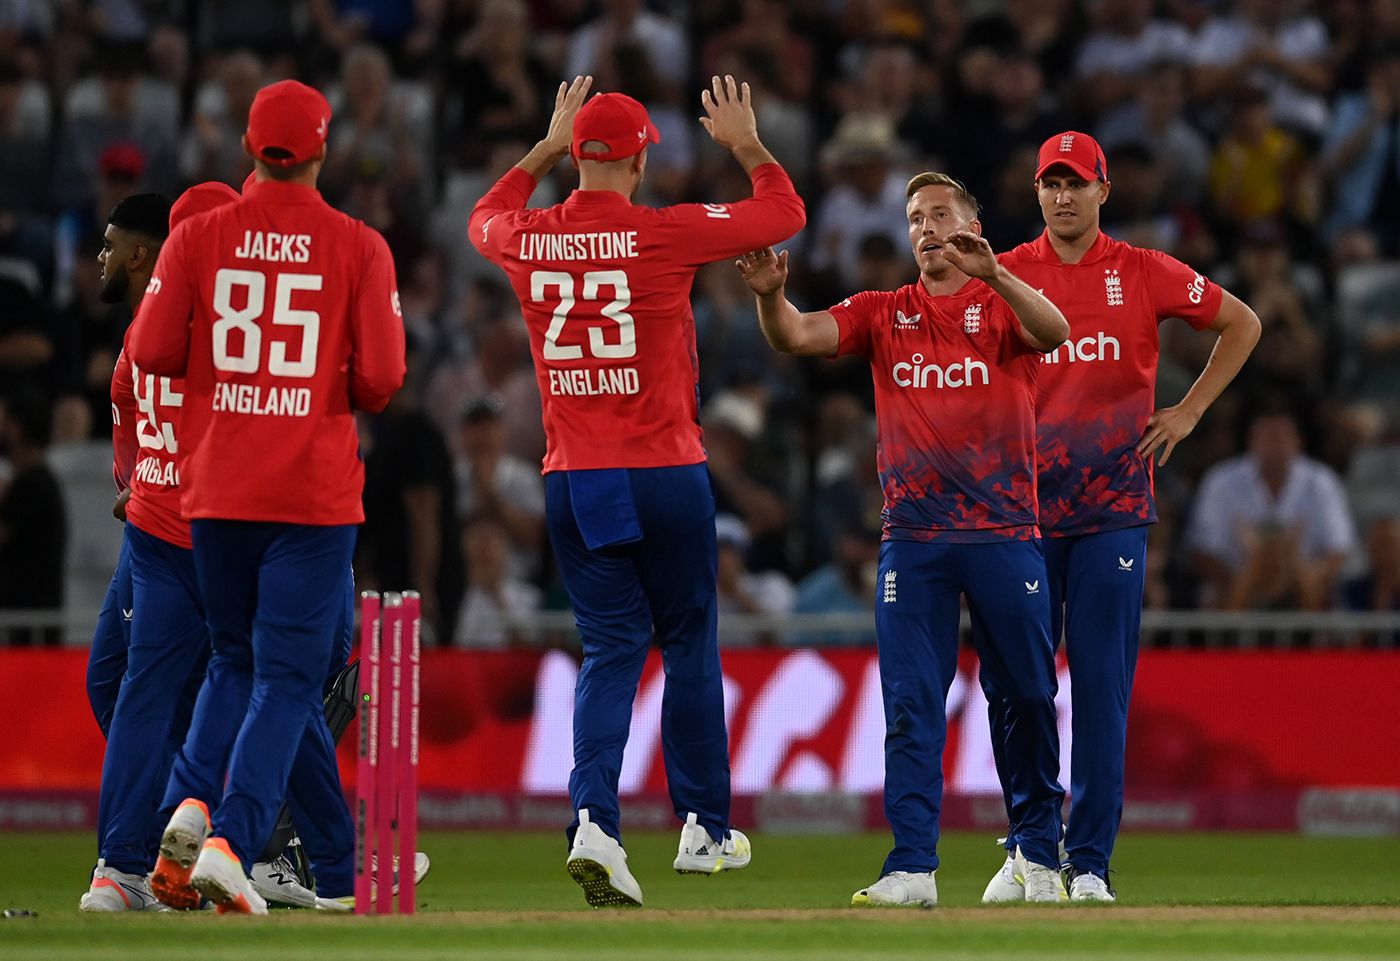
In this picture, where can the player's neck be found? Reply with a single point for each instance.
(941, 285)
(136, 292)
(1073, 251)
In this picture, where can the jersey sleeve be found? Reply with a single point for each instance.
(124, 444)
(1180, 291)
(704, 233)
(510, 193)
(854, 319)
(377, 348)
(160, 333)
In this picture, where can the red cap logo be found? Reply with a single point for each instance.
(287, 123)
(617, 121)
(1077, 151)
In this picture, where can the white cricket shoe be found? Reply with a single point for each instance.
(701, 854)
(900, 889)
(180, 845)
(599, 865)
(218, 875)
(1088, 886)
(1043, 885)
(1005, 887)
(278, 883)
(114, 891)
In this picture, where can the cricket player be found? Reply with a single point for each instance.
(282, 317)
(136, 228)
(954, 357)
(1096, 436)
(605, 286)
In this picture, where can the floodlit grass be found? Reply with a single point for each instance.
(1198, 896)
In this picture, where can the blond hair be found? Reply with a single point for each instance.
(931, 178)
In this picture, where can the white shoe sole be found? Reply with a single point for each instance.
(691, 864)
(593, 876)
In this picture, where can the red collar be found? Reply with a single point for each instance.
(598, 198)
(1046, 252)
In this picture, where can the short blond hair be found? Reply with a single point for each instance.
(932, 178)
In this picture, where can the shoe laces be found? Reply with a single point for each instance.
(1041, 880)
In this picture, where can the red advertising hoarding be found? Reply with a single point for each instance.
(1260, 739)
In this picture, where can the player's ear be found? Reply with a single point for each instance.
(1104, 188)
(246, 148)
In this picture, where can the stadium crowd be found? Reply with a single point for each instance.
(1258, 140)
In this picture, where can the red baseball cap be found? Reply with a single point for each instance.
(1077, 151)
(199, 199)
(616, 120)
(290, 119)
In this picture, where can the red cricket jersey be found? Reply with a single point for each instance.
(155, 482)
(124, 447)
(955, 390)
(605, 290)
(1097, 389)
(282, 316)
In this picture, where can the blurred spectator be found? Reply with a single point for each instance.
(1157, 117)
(410, 535)
(121, 104)
(1361, 154)
(1368, 314)
(497, 87)
(213, 148)
(377, 126)
(740, 589)
(1019, 113)
(24, 141)
(733, 423)
(1378, 589)
(496, 603)
(846, 583)
(491, 481)
(628, 20)
(764, 34)
(87, 337)
(891, 82)
(33, 519)
(25, 349)
(1290, 354)
(867, 196)
(728, 340)
(1259, 170)
(1270, 45)
(1125, 41)
(499, 367)
(1140, 214)
(1271, 528)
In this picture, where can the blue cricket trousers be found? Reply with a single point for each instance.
(107, 656)
(169, 647)
(1096, 586)
(917, 617)
(275, 596)
(636, 549)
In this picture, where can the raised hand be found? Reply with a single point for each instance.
(970, 253)
(729, 116)
(764, 271)
(567, 101)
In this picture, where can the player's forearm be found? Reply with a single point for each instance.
(1043, 323)
(790, 331)
(1237, 340)
(541, 159)
(751, 155)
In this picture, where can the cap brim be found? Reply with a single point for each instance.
(1074, 166)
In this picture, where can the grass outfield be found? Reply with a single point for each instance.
(506, 896)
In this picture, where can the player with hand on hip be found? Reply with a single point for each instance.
(1096, 436)
(604, 286)
(954, 357)
(282, 316)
